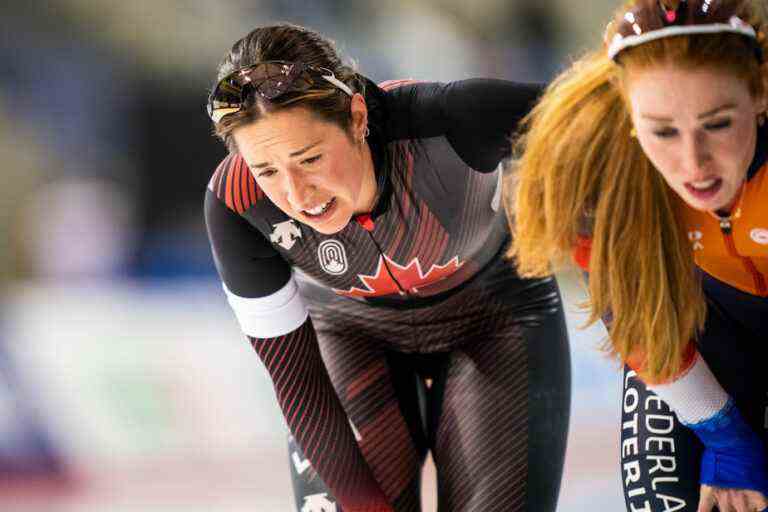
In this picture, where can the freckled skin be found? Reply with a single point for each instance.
(697, 148)
(333, 164)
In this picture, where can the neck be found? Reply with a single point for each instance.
(368, 189)
(733, 206)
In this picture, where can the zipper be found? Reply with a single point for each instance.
(726, 227)
(366, 222)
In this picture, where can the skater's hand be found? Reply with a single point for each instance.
(731, 500)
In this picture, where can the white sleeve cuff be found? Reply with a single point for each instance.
(696, 396)
(274, 315)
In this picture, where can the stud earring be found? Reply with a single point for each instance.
(761, 119)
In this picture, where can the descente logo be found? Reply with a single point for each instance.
(285, 234)
(318, 503)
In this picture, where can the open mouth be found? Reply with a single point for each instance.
(320, 211)
(704, 189)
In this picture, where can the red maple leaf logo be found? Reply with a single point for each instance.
(410, 277)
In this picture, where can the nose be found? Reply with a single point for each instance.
(696, 156)
(298, 191)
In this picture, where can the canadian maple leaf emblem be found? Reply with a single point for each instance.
(410, 277)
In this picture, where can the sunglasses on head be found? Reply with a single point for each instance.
(269, 80)
(649, 20)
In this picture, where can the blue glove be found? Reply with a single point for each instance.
(734, 456)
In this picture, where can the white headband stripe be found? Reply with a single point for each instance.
(338, 83)
(737, 26)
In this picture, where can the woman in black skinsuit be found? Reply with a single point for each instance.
(405, 331)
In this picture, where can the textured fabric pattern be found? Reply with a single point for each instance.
(482, 442)
(491, 445)
(696, 396)
(315, 416)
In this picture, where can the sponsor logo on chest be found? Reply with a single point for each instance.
(695, 238)
(332, 257)
(318, 503)
(759, 236)
(285, 234)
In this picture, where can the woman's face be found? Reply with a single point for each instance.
(314, 171)
(699, 129)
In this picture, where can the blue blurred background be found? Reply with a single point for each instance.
(124, 382)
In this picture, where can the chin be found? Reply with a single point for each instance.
(710, 205)
(330, 228)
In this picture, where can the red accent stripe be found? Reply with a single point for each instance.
(314, 415)
(689, 358)
(436, 234)
(424, 235)
(233, 183)
(229, 199)
(443, 245)
(364, 380)
(582, 251)
(297, 397)
(267, 350)
(314, 434)
(236, 188)
(637, 362)
(252, 188)
(295, 392)
(396, 468)
(398, 239)
(244, 188)
(418, 240)
(436, 242)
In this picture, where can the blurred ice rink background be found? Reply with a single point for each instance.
(124, 382)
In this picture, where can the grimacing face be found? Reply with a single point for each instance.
(699, 129)
(313, 170)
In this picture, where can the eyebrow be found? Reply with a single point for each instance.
(292, 155)
(709, 113)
